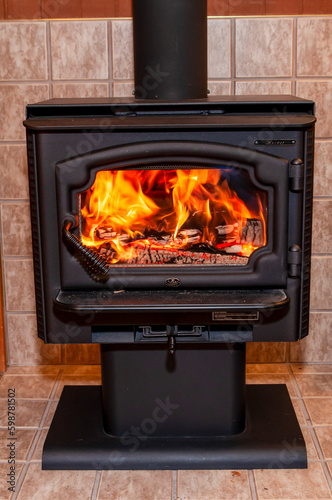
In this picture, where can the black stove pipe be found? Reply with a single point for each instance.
(170, 49)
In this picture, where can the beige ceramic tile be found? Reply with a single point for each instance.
(266, 352)
(27, 413)
(23, 442)
(48, 485)
(135, 485)
(324, 435)
(23, 47)
(322, 227)
(70, 90)
(314, 41)
(79, 50)
(323, 168)
(122, 50)
(263, 87)
(5, 494)
(16, 229)
(13, 99)
(257, 43)
(123, 89)
(267, 368)
(272, 378)
(50, 414)
(213, 485)
(82, 354)
(314, 384)
(312, 368)
(299, 412)
(81, 370)
(321, 278)
(76, 380)
(319, 91)
(219, 48)
(13, 172)
(24, 345)
(19, 285)
(31, 387)
(316, 347)
(290, 484)
(33, 370)
(219, 88)
(320, 410)
(329, 464)
(38, 452)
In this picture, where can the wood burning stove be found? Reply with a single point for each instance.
(229, 245)
(171, 232)
(128, 257)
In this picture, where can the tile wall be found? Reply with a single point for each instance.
(94, 58)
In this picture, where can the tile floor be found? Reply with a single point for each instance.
(38, 389)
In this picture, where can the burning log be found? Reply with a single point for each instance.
(233, 249)
(226, 229)
(191, 235)
(105, 233)
(146, 256)
(253, 233)
(187, 248)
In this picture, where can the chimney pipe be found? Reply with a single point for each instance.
(170, 49)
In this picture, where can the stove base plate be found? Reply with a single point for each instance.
(272, 438)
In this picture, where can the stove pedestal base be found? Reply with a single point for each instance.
(272, 438)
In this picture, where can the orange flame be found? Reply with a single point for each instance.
(124, 207)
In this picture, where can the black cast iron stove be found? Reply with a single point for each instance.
(172, 228)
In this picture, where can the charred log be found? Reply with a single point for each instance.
(146, 256)
(253, 233)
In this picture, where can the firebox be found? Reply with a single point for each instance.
(172, 228)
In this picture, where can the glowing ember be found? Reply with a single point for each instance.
(173, 216)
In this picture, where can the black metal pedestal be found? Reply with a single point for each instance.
(188, 412)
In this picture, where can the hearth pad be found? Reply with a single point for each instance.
(272, 438)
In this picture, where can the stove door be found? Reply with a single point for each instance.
(168, 214)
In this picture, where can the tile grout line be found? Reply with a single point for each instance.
(130, 80)
(110, 58)
(321, 311)
(233, 57)
(4, 295)
(312, 363)
(322, 460)
(293, 380)
(314, 460)
(56, 81)
(295, 27)
(49, 57)
(36, 439)
(287, 352)
(174, 483)
(112, 80)
(12, 143)
(312, 432)
(300, 398)
(18, 257)
(14, 201)
(252, 485)
(96, 485)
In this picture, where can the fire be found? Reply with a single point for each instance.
(130, 211)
